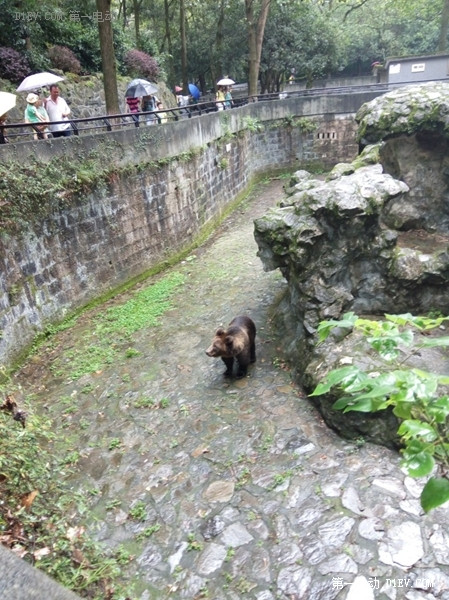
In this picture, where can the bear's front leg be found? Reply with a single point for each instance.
(229, 362)
(242, 366)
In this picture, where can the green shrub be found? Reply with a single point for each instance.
(415, 396)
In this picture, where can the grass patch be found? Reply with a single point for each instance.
(143, 310)
(103, 343)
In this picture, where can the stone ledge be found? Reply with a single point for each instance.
(20, 581)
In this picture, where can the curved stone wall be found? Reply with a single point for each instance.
(141, 219)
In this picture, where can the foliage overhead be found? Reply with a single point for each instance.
(316, 38)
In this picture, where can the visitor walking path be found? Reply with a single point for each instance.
(246, 492)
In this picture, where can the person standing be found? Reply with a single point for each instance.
(3, 138)
(162, 116)
(229, 102)
(35, 113)
(220, 98)
(132, 106)
(58, 110)
(149, 104)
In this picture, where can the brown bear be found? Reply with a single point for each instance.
(236, 342)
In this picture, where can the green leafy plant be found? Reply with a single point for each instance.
(252, 124)
(415, 396)
(114, 443)
(280, 478)
(138, 512)
(122, 555)
(144, 402)
(148, 532)
(131, 352)
(304, 124)
(193, 544)
(113, 504)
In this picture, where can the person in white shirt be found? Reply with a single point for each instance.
(58, 110)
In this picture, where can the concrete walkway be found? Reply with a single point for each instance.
(244, 492)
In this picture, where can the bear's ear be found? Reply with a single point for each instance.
(220, 332)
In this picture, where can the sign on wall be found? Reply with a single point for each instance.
(394, 69)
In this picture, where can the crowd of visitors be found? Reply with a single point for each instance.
(50, 116)
(146, 104)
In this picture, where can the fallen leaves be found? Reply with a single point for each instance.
(27, 500)
(10, 405)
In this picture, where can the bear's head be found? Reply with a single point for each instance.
(225, 344)
(218, 345)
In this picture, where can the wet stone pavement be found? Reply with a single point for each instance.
(243, 491)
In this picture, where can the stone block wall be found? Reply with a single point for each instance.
(117, 233)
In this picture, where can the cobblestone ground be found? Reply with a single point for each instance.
(244, 491)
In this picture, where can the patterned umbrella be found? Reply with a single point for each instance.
(140, 87)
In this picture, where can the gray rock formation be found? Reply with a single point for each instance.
(372, 238)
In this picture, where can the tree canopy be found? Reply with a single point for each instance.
(200, 41)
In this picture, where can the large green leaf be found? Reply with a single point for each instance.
(414, 428)
(435, 493)
(337, 377)
(439, 409)
(419, 465)
(366, 405)
(325, 327)
(403, 410)
(422, 323)
(435, 342)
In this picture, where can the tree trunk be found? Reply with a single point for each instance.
(256, 28)
(122, 10)
(167, 40)
(167, 27)
(107, 56)
(219, 38)
(444, 25)
(136, 7)
(182, 30)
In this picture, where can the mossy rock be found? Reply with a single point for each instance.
(405, 110)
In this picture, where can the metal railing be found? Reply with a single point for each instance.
(23, 131)
(16, 132)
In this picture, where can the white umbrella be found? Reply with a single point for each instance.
(140, 87)
(226, 81)
(7, 101)
(38, 80)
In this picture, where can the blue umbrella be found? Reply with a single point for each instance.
(194, 91)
